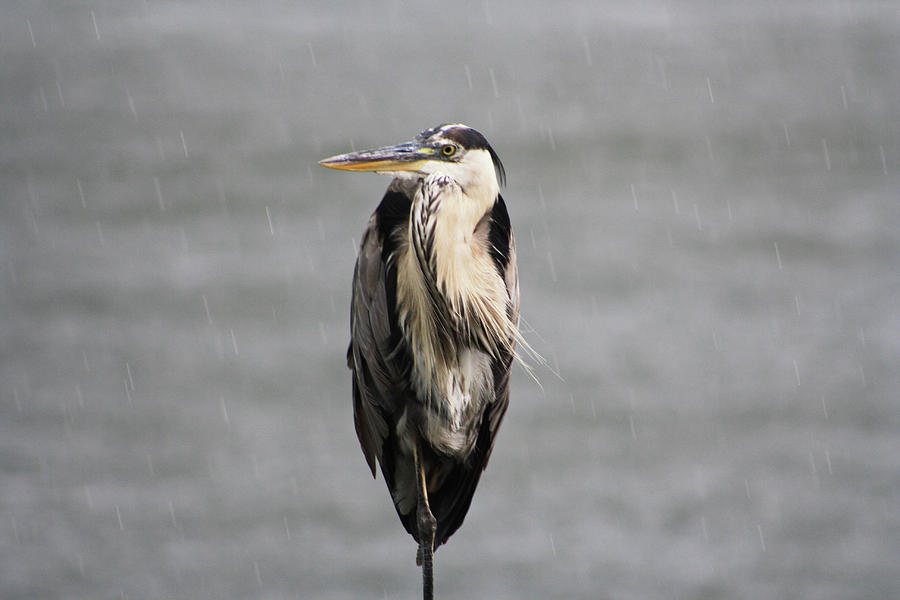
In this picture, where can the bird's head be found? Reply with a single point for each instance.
(455, 150)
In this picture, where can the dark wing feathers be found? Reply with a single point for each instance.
(371, 385)
(374, 354)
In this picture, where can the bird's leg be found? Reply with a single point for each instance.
(427, 526)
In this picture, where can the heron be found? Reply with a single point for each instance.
(434, 326)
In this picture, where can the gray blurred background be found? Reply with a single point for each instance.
(706, 201)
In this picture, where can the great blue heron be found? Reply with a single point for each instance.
(434, 325)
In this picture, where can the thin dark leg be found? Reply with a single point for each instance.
(427, 526)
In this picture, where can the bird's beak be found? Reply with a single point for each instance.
(408, 156)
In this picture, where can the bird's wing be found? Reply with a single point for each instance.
(373, 343)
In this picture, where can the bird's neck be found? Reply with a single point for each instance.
(451, 294)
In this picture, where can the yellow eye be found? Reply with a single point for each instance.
(448, 150)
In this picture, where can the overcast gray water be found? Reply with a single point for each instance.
(706, 197)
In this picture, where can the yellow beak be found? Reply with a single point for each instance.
(408, 156)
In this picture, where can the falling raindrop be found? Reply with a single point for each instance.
(762, 540)
(787, 135)
(130, 378)
(778, 256)
(468, 76)
(712, 100)
(587, 51)
(234, 345)
(96, 29)
(183, 142)
(494, 82)
(81, 193)
(31, 33)
(827, 156)
(131, 106)
(634, 198)
(206, 309)
(883, 160)
(269, 219)
(225, 416)
(312, 55)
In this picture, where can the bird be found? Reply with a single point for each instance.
(434, 326)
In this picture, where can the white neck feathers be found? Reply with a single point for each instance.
(451, 295)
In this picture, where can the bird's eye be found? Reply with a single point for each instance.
(448, 150)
